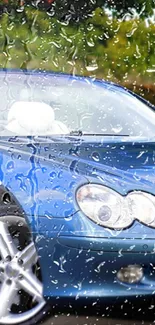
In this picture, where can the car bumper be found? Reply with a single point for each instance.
(77, 269)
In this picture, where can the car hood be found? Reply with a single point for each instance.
(121, 164)
(44, 174)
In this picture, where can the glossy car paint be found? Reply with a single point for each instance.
(80, 259)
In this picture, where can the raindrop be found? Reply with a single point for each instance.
(68, 218)
(92, 67)
(55, 281)
(72, 185)
(98, 269)
(53, 175)
(120, 253)
(90, 259)
(91, 43)
(96, 156)
(60, 174)
(117, 129)
(10, 165)
(140, 154)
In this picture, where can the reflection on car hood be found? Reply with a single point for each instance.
(123, 165)
(44, 174)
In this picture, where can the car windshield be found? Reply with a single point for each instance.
(46, 104)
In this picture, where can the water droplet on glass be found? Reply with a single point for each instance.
(96, 156)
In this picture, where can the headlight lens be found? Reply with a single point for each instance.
(104, 206)
(142, 207)
(112, 210)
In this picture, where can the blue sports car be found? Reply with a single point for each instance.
(77, 194)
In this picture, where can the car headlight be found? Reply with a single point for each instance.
(104, 206)
(109, 209)
(142, 207)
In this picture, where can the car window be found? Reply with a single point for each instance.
(92, 107)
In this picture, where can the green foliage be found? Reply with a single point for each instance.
(118, 50)
(78, 9)
(120, 7)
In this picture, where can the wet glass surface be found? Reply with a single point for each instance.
(66, 123)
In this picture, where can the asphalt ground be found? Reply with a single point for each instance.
(144, 314)
(86, 320)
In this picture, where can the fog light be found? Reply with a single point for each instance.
(130, 274)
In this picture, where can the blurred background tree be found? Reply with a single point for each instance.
(114, 40)
(81, 8)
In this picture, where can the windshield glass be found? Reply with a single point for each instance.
(46, 104)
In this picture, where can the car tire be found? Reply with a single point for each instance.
(21, 288)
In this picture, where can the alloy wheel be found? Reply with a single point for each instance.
(21, 289)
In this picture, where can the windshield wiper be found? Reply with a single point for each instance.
(76, 133)
(80, 133)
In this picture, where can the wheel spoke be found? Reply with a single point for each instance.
(31, 285)
(7, 246)
(7, 298)
(2, 266)
(2, 276)
(16, 274)
(28, 255)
